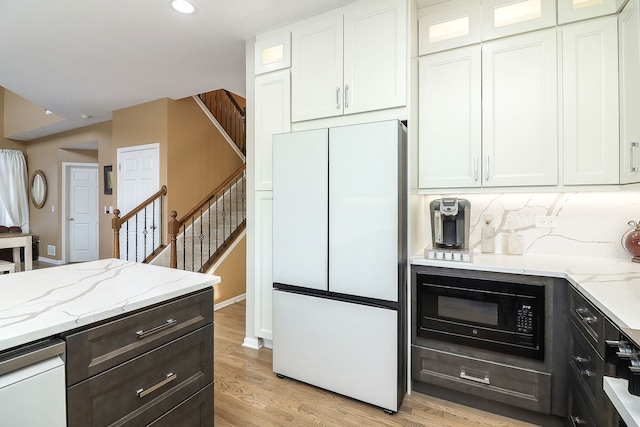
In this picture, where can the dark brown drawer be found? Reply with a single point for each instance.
(579, 415)
(97, 349)
(141, 390)
(524, 388)
(585, 364)
(591, 322)
(197, 411)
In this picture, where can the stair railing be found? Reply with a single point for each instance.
(206, 230)
(143, 227)
(228, 113)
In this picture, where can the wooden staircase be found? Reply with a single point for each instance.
(199, 238)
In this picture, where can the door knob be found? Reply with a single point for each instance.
(70, 219)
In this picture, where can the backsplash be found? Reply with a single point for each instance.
(588, 224)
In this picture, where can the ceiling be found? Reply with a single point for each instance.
(93, 57)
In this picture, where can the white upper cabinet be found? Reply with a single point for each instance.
(375, 57)
(350, 63)
(507, 17)
(442, 27)
(629, 55)
(316, 70)
(590, 102)
(273, 53)
(272, 116)
(577, 10)
(520, 114)
(449, 137)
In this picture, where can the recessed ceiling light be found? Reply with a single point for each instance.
(183, 6)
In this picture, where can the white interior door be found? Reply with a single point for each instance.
(138, 179)
(82, 213)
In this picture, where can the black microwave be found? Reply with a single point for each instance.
(498, 316)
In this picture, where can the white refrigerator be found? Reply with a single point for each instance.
(339, 260)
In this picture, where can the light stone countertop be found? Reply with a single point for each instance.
(42, 303)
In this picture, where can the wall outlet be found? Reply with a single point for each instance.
(51, 250)
(546, 221)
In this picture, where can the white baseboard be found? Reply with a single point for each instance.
(252, 342)
(267, 343)
(50, 261)
(230, 301)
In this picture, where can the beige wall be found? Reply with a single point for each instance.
(48, 154)
(199, 158)
(6, 143)
(23, 115)
(233, 274)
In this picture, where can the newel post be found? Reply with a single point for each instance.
(173, 233)
(116, 224)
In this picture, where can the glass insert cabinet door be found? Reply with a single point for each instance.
(576, 10)
(503, 18)
(442, 27)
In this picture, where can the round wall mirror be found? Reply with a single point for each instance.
(38, 189)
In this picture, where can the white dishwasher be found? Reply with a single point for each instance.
(32, 385)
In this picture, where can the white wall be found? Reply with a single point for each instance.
(589, 223)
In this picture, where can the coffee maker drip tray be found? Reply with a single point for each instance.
(446, 254)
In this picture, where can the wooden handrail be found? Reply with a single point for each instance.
(141, 206)
(116, 221)
(234, 176)
(235, 103)
(227, 111)
(175, 225)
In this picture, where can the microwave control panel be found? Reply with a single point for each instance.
(525, 321)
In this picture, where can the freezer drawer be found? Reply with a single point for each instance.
(347, 348)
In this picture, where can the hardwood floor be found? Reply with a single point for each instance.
(248, 393)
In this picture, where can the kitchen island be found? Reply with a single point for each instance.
(139, 338)
(612, 285)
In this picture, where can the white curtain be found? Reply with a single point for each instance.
(14, 199)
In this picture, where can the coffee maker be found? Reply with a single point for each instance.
(450, 223)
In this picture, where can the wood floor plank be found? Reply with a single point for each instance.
(248, 393)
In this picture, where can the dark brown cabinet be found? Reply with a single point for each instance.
(154, 366)
(590, 329)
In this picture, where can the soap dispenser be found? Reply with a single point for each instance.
(488, 236)
(512, 243)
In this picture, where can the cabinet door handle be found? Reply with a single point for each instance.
(475, 168)
(142, 392)
(167, 324)
(486, 169)
(589, 318)
(346, 96)
(633, 145)
(484, 380)
(338, 97)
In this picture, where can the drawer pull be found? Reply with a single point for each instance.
(142, 392)
(168, 323)
(580, 359)
(484, 380)
(577, 421)
(586, 373)
(589, 319)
